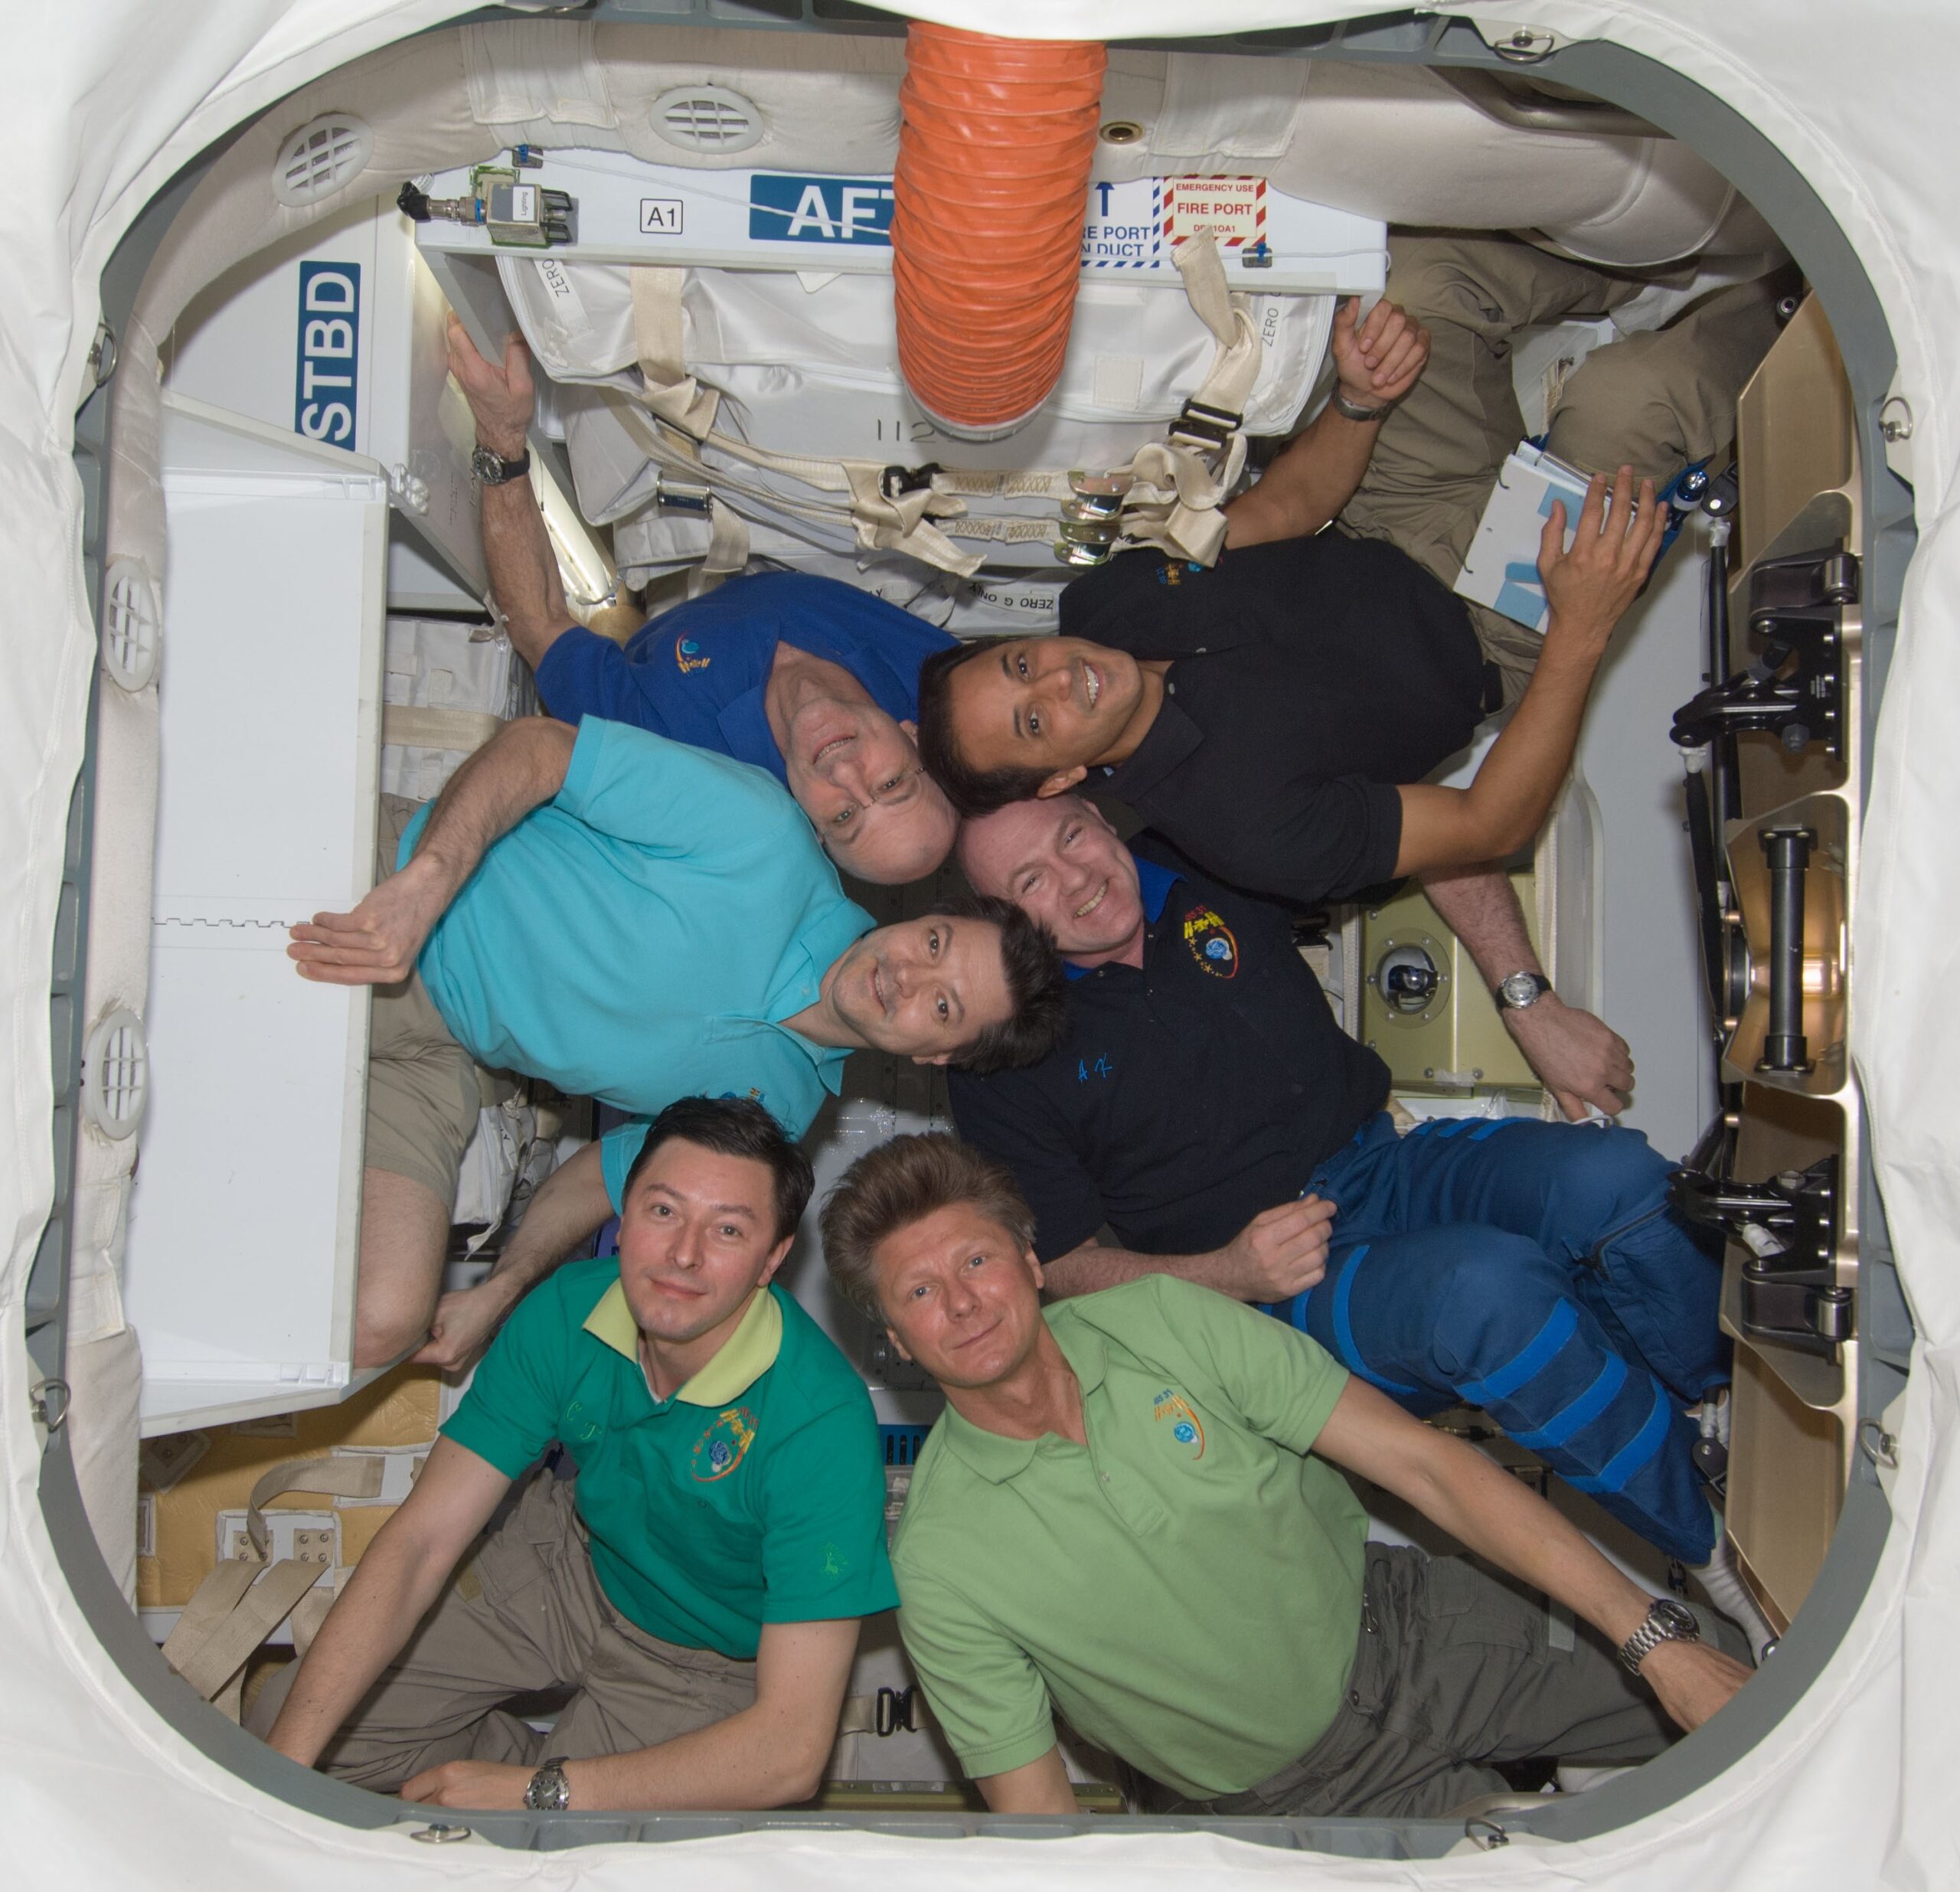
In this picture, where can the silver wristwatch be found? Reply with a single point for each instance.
(550, 1792)
(1354, 410)
(1521, 990)
(492, 469)
(1667, 1621)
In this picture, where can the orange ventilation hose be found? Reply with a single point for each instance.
(990, 196)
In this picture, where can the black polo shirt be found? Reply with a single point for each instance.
(1187, 1097)
(1309, 676)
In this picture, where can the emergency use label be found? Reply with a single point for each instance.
(1233, 209)
(784, 208)
(327, 379)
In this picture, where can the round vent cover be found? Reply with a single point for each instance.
(320, 158)
(132, 624)
(709, 119)
(115, 1075)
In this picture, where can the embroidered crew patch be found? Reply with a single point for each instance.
(1171, 1408)
(688, 654)
(724, 1445)
(1211, 943)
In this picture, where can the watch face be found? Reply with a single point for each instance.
(1519, 990)
(1677, 1617)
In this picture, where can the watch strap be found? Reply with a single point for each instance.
(1667, 1621)
(1540, 985)
(1353, 409)
(492, 469)
(548, 1791)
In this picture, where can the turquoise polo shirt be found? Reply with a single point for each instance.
(643, 936)
(1185, 1588)
(754, 1493)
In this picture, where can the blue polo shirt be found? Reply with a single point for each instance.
(643, 936)
(697, 672)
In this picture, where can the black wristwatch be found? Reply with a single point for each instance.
(492, 469)
(550, 1792)
(1354, 410)
(1520, 990)
(1667, 1621)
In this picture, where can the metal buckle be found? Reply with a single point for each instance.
(1210, 427)
(896, 482)
(897, 1708)
(677, 495)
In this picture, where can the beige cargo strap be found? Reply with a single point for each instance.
(1176, 486)
(242, 1600)
(417, 726)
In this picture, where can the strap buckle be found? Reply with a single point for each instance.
(896, 482)
(897, 1708)
(1202, 426)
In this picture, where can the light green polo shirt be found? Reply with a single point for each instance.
(1186, 1591)
(754, 1494)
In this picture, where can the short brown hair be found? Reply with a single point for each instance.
(903, 1182)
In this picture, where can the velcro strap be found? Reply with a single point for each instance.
(415, 726)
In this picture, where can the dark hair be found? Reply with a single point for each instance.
(734, 1126)
(971, 791)
(902, 1182)
(1036, 985)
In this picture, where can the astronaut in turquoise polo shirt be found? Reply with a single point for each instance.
(698, 1582)
(635, 921)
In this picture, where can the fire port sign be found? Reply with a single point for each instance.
(1233, 209)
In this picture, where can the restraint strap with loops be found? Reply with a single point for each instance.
(1176, 486)
(243, 1600)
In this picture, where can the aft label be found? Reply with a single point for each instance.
(783, 207)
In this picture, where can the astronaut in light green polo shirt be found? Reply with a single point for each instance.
(1129, 1515)
(698, 1582)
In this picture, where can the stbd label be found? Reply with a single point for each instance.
(326, 395)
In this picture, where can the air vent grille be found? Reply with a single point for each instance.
(707, 119)
(132, 624)
(320, 158)
(115, 1075)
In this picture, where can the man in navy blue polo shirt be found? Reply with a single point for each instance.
(811, 679)
(1205, 1106)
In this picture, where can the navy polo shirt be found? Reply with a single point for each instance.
(1185, 1097)
(697, 673)
(1309, 676)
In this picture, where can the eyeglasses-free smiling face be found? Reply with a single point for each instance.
(960, 1295)
(923, 988)
(697, 1236)
(856, 773)
(1052, 703)
(1062, 865)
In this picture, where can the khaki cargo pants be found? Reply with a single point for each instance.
(1658, 400)
(525, 1615)
(1455, 1670)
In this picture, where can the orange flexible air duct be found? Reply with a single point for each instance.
(991, 194)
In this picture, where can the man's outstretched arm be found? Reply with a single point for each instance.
(1589, 587)
(1375, 365)
(1581, 1058)
(391, 1589)
(1492, 1514)
(1280, 1252)
(771, 1753)
(520, 768)
(523, 569)
(570, 1204)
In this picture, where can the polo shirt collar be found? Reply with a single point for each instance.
(997, 1458)
(1153, 885)
(745, 1356)
(1169, 742)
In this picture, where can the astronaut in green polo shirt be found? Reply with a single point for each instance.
(698, 1582)
(1129, 1515)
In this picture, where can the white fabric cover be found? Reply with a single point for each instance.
(107, 98)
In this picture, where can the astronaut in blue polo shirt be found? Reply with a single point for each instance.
(810, 678)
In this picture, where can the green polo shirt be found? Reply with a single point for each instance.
(755, 1494)
(1186, 1591)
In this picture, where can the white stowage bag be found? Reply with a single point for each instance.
(807, 364)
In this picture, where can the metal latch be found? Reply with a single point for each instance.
(1789, 1225)
(1795, 689)
(897, 1708)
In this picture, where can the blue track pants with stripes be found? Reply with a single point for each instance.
(1532, 1269)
